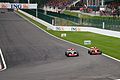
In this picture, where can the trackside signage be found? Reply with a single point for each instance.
(61, 28)
(18, 6)
(5, 5)
(87, 42)
(75, 29)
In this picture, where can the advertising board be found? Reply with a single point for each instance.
(18, 6)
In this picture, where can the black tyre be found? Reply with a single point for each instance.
(65, 53)
(88, 51)
(100, 52)
(77, 54)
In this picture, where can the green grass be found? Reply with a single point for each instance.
(108, 45)
(71, 13)
(76, 14)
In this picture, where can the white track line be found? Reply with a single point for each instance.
(65, 40)
(3, 61)
(0, 66)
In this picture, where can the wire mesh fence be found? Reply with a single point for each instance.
(68, 20)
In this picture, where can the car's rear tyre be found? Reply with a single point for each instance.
(89, 52)
(66, 54)
(100, 52)
(77, 54)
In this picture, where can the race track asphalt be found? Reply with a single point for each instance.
(32, 54)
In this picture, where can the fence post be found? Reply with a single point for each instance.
(37, 12)
(53, 21)
(103, 26)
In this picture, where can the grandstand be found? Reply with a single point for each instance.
(57, 5)
(62, 19)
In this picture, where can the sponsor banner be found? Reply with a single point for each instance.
(61, 28)
(23, 6)
(18, 6)
(32, 6)
(75, 29)
(5, 5)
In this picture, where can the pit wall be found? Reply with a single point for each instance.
(74, 28)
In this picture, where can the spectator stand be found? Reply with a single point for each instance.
(57, 5)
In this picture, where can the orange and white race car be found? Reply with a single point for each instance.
(94, 51)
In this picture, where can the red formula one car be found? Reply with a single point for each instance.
(71, 52)
(94, 51)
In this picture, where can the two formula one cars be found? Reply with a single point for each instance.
(71, 52)
(94, 51)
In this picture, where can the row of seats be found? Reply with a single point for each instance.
(113, 4)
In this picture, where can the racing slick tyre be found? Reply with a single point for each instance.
(100, 52)
(66, 54)
(89, 52)
(77, 54)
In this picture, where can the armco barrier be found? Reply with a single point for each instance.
(72, 28)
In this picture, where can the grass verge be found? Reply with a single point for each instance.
(108, 45)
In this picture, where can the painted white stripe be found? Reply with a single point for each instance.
(0, 66)
(65, 40)
(3, 61)
(111, 57)
(117, 79)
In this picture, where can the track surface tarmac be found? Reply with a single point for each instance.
(32, 54)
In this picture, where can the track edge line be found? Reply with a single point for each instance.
(3, 60)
